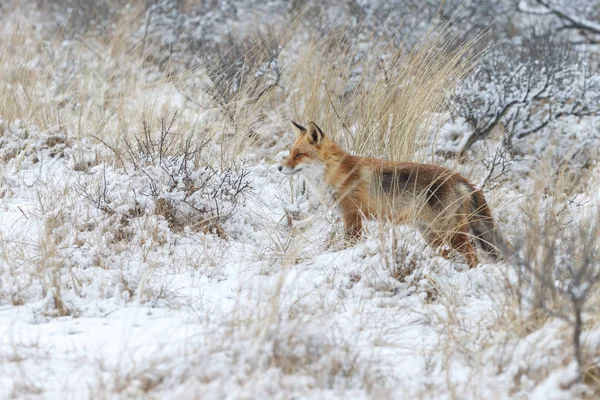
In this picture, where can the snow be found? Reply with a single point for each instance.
(268, 312)
(155, 277)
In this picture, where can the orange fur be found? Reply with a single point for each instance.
(444, 205)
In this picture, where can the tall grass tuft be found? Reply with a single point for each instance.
(380, 99)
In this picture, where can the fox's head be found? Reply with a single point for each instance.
(306, 156)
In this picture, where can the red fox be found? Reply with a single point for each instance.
(443, 205)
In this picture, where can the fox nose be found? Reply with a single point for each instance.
(280, 168)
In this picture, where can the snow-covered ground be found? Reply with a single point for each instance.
(98, 305)
(137, 264)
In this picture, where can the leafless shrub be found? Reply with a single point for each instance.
(164, 148)
(82, 16)
(242, 69)
(497, 167)
(558, 268)
(580, 18)
(185, 189)
(522, 89)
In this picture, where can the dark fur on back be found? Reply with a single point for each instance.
(394, 180)
(401, 180)
(437, 191)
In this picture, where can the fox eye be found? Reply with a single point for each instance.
(298, 155)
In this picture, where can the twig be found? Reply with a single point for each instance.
(335, 110)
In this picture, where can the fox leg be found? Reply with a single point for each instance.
(352, 224)
(460, 242)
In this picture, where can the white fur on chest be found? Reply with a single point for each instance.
(326, 194)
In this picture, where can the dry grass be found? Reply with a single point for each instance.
(539, 298)
(379, 101)
(591, 377)
(108, 91)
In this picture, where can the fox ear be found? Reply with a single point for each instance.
(301, 130)
(315, 134)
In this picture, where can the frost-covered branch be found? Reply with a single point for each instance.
(521, 90)
(569, 20)
(559, 268)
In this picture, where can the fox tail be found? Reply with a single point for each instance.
(484, 229)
